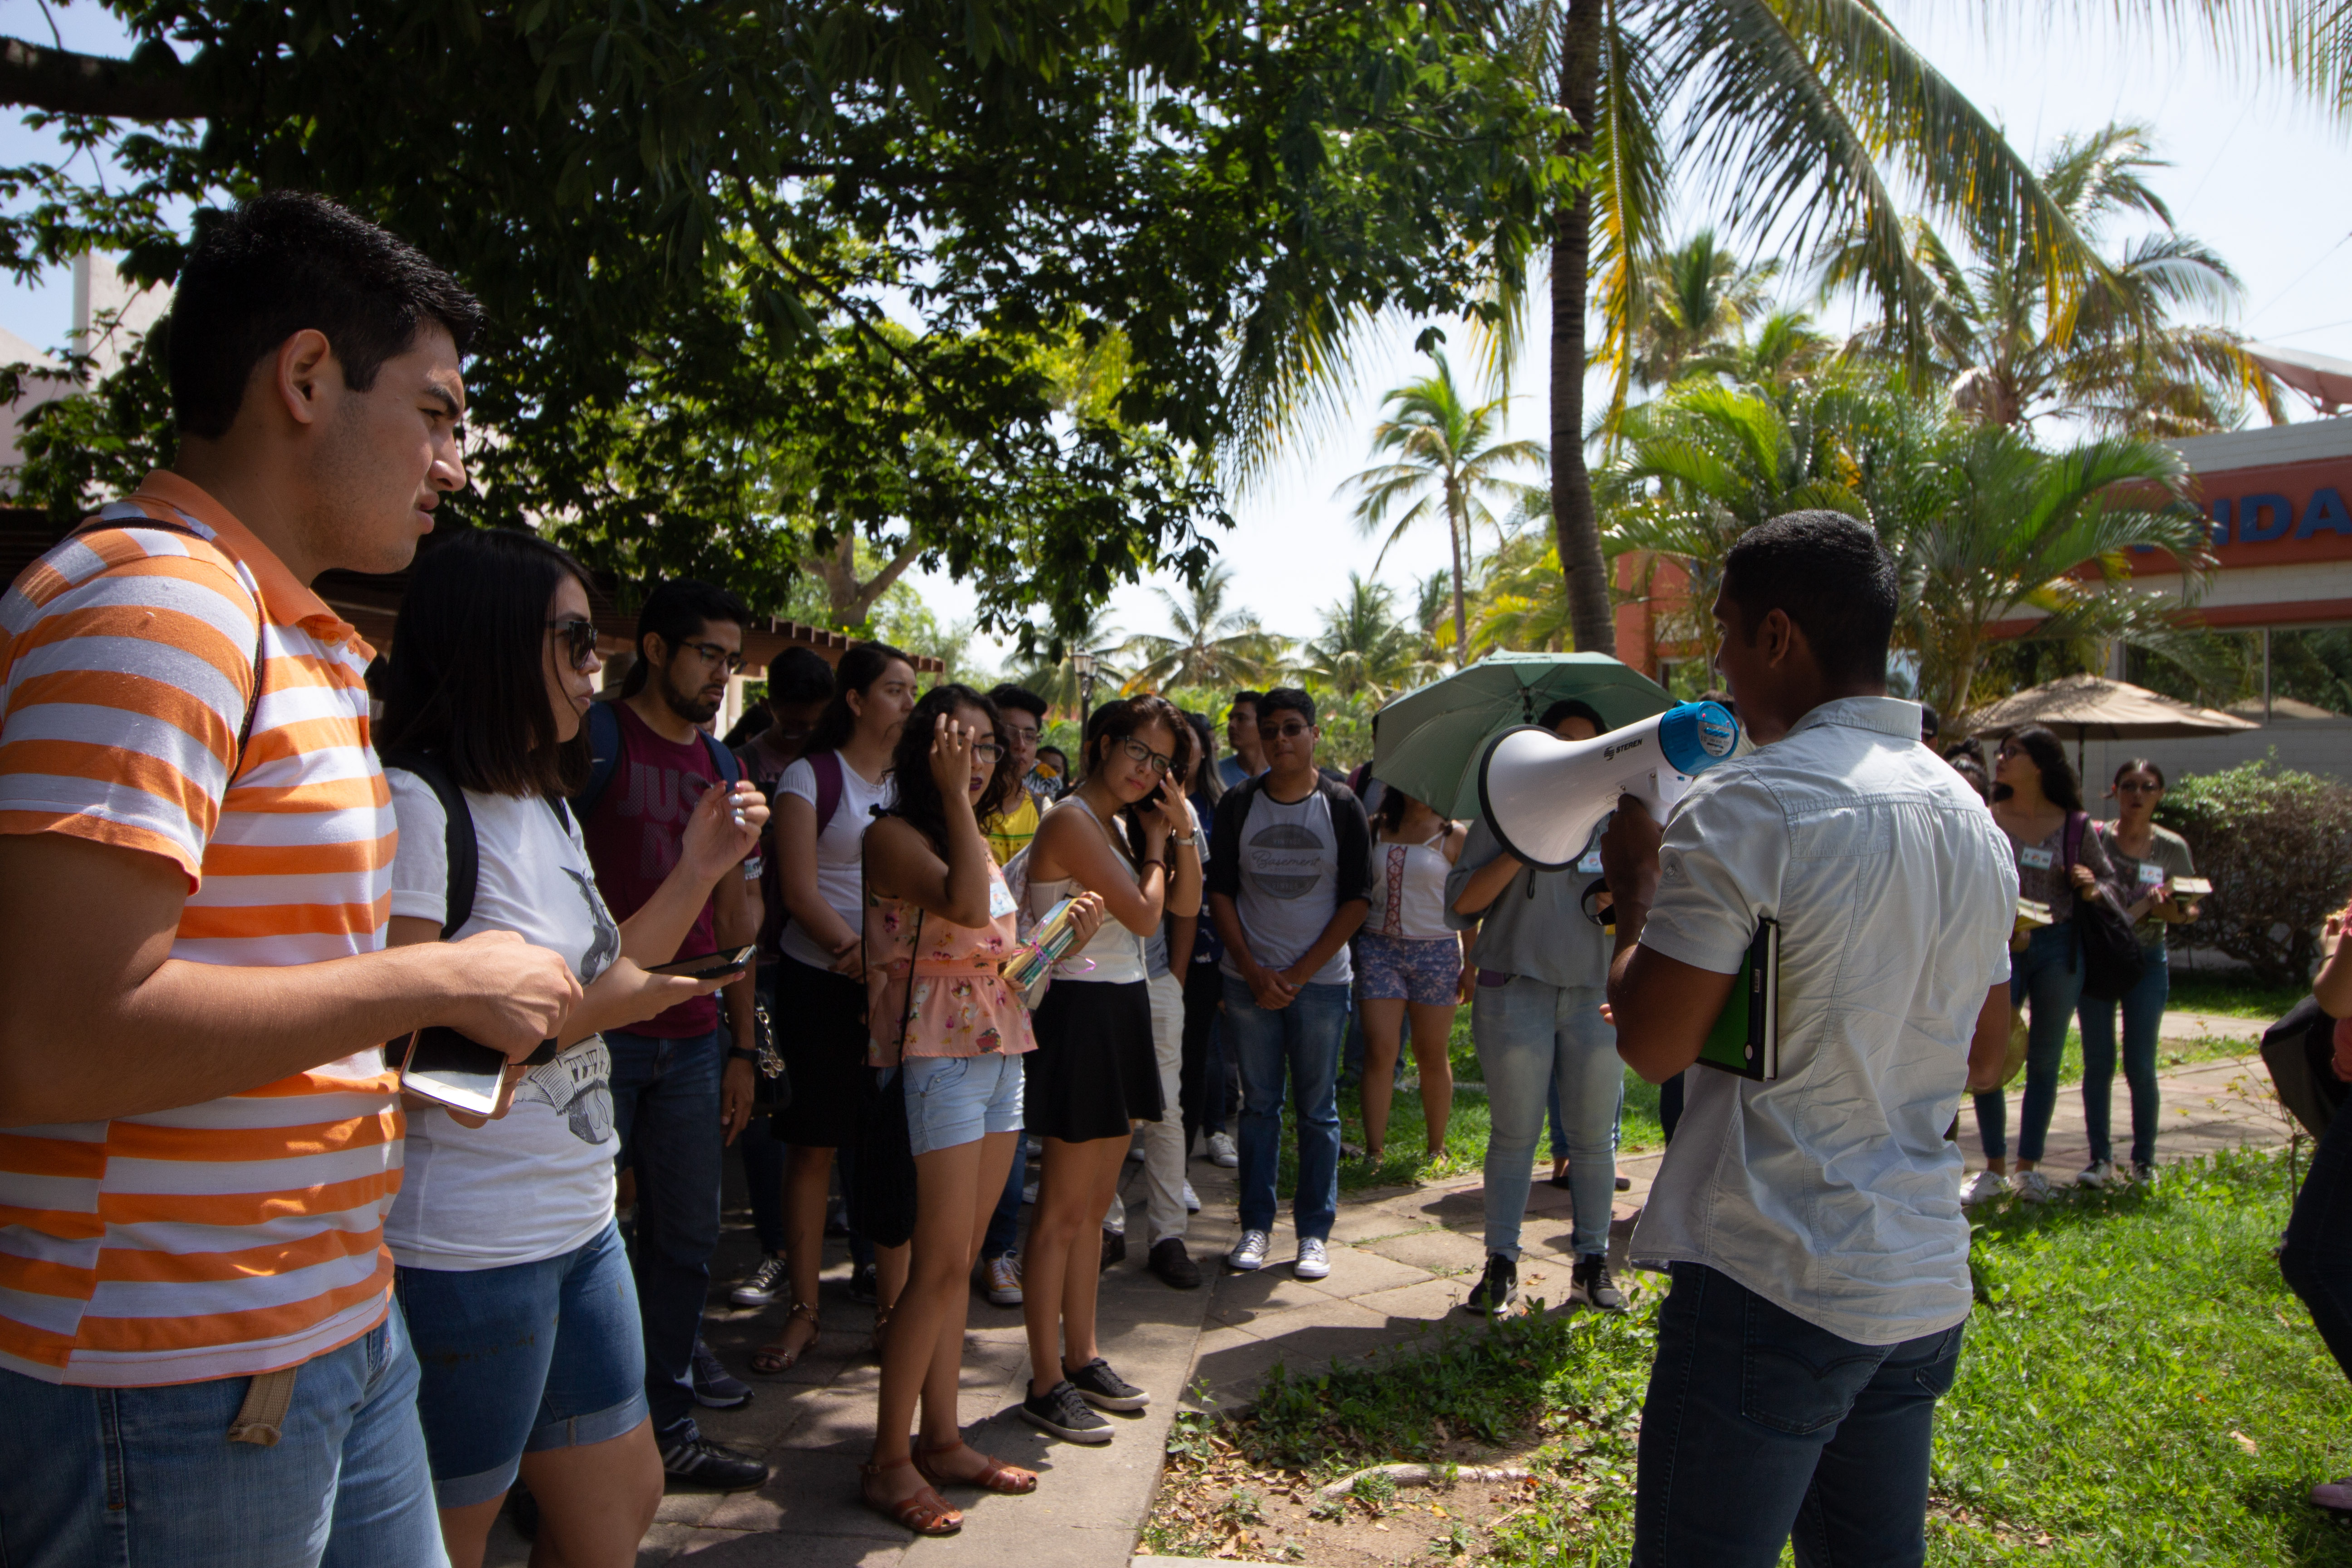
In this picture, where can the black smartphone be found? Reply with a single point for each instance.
(708, 966)
(445, 1067)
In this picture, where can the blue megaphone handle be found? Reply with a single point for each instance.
(1694, 736)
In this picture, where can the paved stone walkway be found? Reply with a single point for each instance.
(1401, 1260)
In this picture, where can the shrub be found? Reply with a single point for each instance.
(2277, 846)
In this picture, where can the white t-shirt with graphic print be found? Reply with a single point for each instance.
(537, 1183)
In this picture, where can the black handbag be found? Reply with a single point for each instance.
(882, 1199)
(2300, 1051)
(2113, 961)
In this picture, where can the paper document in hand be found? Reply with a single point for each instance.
(1745, 1038)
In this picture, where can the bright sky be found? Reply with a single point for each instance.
(2254, 174)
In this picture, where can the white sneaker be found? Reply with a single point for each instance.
(1313, 1259)
(2097, 1174)
(1221, 1150)
(1135, 1154)
(1249, 1252)
(1192, 1199)
(2031, 1186)
(1029, 1190)
(1983, 1188)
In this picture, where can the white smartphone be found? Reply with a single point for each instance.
(445, 1067)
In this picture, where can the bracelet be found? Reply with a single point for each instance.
(1187, 842)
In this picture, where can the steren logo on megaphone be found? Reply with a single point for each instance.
(1544, 796)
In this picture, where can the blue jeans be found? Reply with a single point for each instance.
(1760, 1429)
(2317, 1257)
(2143, 1007)
(1301, 1041)
(665, 1105)
(2047, 977)
(1536, 1040)
(123, 1475)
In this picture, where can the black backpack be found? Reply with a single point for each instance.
(458, 842)
(2112, 960)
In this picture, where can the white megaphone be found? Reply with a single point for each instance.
(1544, 796)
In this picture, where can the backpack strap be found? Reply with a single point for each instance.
(2077, 822)
(260, 616)
(729, 770)
(464, 856)
(603, 753)
(826, 766)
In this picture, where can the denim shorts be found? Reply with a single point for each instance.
(522, 1359)
(955, 1100)
(1408, 969)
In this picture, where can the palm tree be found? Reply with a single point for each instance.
(1210, 645)
(1363, 648)
(1445, 463)
(1051, 675)
(1697, 299)
(2109, 356)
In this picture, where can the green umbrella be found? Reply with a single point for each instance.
(1428, 742)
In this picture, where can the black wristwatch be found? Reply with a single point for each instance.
(741, 1054)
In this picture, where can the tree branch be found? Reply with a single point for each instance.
(63, 82)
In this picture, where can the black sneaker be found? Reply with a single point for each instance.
(1173, 1264)
(1060, 1410)
(1493, 1294)
(862, 1287)
(1114, 1248)
(716, 1388)
(1105, 1389)
(1590, 1282)
(699, 1462)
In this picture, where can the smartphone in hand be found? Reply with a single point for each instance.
(446, 1068)
(708, 966)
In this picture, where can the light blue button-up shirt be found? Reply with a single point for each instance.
(1830, 1190)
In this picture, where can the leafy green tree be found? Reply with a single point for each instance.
(2110, 355)
(1697, 301)
(684, 222)
(1364, 649)
(1207, 644)
(1445, 464)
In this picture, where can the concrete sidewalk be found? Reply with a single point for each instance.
(1401, 1260)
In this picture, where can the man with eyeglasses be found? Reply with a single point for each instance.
(681, 1080)
(1289, 880)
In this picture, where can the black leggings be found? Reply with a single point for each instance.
(1201, 1082)
(2317, 1257)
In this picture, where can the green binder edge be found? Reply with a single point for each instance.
(1745, 1038)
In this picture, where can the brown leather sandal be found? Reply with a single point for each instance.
(881, 1335)
(1004, 1479)
(923, 1512)
(775, 1357)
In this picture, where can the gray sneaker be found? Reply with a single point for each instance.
(1249, 1252)
(1221, 1150)
(1591, 1283)
(2031, 1186)
(759, 1288)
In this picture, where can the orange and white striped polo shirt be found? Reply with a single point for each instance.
(244, 1234)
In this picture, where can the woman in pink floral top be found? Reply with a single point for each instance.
(938, 921)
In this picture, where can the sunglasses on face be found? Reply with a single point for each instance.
(713, 654)
(1290, 731)
(1140, 752)
(2141, 786)
(579, 637)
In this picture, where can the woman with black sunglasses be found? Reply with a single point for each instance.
(1125, 835)
(510, 1269)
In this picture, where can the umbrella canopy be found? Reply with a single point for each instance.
(2091, 705)
(1428, 742)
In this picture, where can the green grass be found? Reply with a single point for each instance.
(2139, 1388)
(2235, 996)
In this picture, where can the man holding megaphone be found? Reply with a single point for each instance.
(1811, 1220)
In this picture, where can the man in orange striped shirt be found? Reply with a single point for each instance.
(197, 1133)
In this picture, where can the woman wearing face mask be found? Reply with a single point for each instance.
(1122, 834)
(2146, 861)
(2036, 800)
(843, 778)
(510, 1269)
(940, 924)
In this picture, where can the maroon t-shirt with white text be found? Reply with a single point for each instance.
(635, 835)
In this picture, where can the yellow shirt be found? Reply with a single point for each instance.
(1009, 833)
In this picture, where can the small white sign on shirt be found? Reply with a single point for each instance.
(2150, 873)
(2036, 858)
(1591, 864)
(1000, 900)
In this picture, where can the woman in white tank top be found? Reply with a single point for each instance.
(1123, 833)
(1408, 959)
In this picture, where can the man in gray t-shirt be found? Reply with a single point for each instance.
(1289, 880)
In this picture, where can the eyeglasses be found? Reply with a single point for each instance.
(579, 639)
(713, 654)
(1138, 751)
(1290, 731)
(2007, 752)
(988, 752)
(2141, 786)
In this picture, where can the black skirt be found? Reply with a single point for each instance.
(1093, 1071)
(819, 1027)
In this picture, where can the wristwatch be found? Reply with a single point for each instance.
(1185, 840)
(741, 1054)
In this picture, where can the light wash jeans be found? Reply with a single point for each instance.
(1536, 1039)
(113, 1477)
(1301, 1042)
